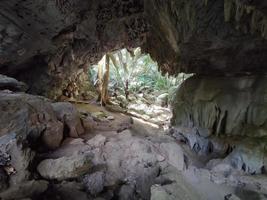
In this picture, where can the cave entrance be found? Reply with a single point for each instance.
(132, 81)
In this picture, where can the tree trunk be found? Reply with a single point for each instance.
(104, 91)
(99, 81)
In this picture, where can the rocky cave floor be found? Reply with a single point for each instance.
(67, 151)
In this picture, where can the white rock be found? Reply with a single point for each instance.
(94, 183)
(97, 141)
(160, 158)
(159, 193)
(174, 154)
(65, 167)
(110, 117)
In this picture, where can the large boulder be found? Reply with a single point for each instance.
(29, 117)
(65, 167)
(8, 83)
(27, 123)
(53, 135)
(133, 161)
(174, 154)
(16, 158)
(21, 158)
(68, 115)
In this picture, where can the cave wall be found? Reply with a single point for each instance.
(208, 36)
(223, 106)
(194, 36)
(45, 43)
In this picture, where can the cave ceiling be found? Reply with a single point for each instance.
(192, 36)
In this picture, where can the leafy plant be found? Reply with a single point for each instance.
(132, 71)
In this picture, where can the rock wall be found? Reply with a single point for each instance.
(207, 37)
(224, 118)
(44, 43)
(223, 105)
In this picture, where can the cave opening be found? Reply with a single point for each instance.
(132, 81)
(175, 109)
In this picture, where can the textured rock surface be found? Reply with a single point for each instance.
(65, 167)
(3, 180)
(123, 164)
(29, 117)
(95, 182)
(67, 190)
(223, 105)
(50, 44)
(56, 39)
(225, 118)
(134, 161)
(24, 190)
(7, 83)
(53, 135)
(207, 36)
(68, 115)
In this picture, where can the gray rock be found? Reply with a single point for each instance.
(127, 192)
(16, 157)
(8, 83)
(231, 197)
(65, 167)
(127, 157)
(97, 141)
(20, 160)
(248, 156)
(53, 135)
(71, 191)
(3, 180)
(68, 115)
(89, 123)
(159, 193)
(203, 132)
(28, 117)
(144, 179)
(226, 106)
(94, 183)
(174, 154)
(25, 190)
(162, 100)
(197, 143)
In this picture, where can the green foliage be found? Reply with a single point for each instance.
(141, 72)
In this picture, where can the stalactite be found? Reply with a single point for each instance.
(254, 21)
(239, 11)
(190, 15)
(228, 5)
(264, 28)
(258, 22)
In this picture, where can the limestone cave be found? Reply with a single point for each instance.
(133, 99)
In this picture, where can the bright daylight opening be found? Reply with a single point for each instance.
(132, 83)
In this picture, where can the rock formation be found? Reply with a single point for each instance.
(223, 105)
(220, 113)
(56, 39)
